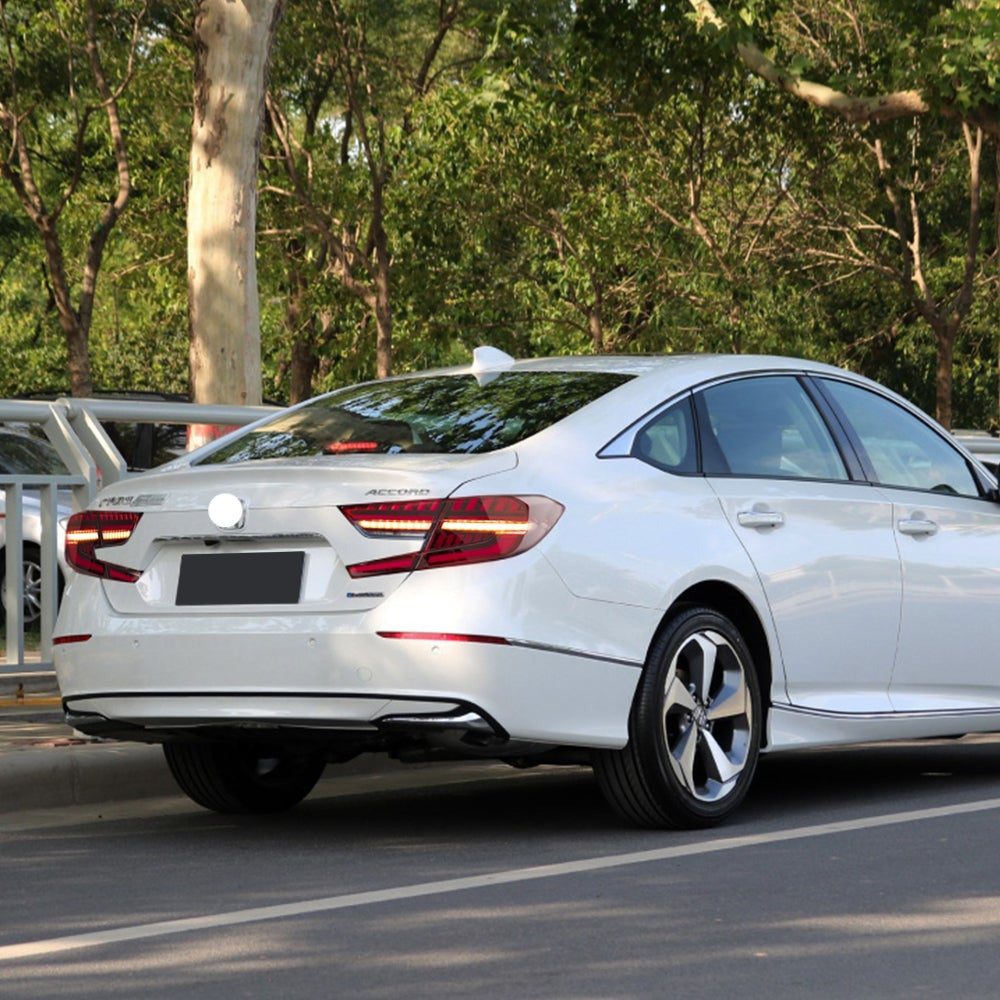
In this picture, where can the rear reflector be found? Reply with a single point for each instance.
(62, 640)
(493, 640)
(98, 529)
(455, 531)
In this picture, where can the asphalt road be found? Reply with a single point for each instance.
(854, 874)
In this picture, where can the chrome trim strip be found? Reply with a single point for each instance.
(545, 647)
(470, 721)
(941, 713)
(302, 536)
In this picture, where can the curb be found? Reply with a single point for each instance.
(69, 772)
(63, 774)
(37, 682)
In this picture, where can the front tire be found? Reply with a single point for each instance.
(242, 778)
(694, 729)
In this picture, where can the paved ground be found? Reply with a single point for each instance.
(44, 763)
(859, 874)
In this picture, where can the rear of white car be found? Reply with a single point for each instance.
(356, 595)
(289, 621)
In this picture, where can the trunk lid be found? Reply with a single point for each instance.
(290, 552)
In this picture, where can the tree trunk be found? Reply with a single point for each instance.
(946, 335)
(302, 369)
(383, 294)
(595, 326)
(76, 333)
(233, 42)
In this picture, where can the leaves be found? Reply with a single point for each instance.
(570, 177)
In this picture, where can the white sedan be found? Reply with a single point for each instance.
(660, 566)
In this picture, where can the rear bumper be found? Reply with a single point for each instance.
(439, 644)
(241, 674)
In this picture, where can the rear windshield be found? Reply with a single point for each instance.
(434, 413)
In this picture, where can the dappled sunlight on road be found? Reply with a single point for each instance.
(943, 923)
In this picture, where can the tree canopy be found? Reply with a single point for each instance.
(806, 177)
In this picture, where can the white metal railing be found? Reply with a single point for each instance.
(46, 489)
(73, 427)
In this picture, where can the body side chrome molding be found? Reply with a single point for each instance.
(544, 647)
(942, 713)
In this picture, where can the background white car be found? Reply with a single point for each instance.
(23, 454)
(660, 566)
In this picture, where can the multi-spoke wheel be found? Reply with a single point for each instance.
(694, 731)
(242, 778)
(31, 584)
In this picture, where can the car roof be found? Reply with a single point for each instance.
(656, 380)
(658, 377)
(691, 367)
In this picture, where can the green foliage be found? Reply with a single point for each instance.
(959, 57)
(576, 176)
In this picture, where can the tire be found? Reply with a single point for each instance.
(242, 778)
(31, 583)
(694, 728)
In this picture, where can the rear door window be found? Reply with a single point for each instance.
(900, 448)
(766, 426)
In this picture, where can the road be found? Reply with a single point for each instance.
(856, 873)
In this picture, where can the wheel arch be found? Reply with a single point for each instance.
(734, 604)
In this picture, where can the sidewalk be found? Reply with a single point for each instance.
(44, 763)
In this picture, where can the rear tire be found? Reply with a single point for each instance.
(242, 778)
(694, 729)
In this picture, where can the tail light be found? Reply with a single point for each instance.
(453, 532)
(100, 529)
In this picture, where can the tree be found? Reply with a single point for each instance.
(232, 58)
(900, 70)
(31, 40)
(959, 42)
(367, 86)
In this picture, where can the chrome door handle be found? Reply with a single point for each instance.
(760, 518)
(917, 526)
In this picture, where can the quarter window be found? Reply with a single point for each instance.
(902, 450)
(668, 441)
(766, 426)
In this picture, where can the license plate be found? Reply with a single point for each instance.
(240, 578)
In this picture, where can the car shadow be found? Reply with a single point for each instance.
(797, 787)
(917, 774)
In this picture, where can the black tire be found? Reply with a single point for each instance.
(694, 729)
(242, 778)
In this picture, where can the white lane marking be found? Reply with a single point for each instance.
(52, 946)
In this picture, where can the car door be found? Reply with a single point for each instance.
(821, 543)
(948, 532)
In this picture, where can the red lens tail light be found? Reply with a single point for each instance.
(100, 529)
(454, 532)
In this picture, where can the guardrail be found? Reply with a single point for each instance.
(984, 446)
(73, 427)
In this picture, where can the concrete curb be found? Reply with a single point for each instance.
(62, 773)
(28, 682)
(45, 765)
(35, 777)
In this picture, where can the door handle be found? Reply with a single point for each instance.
(760, 518)
(917, 526)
